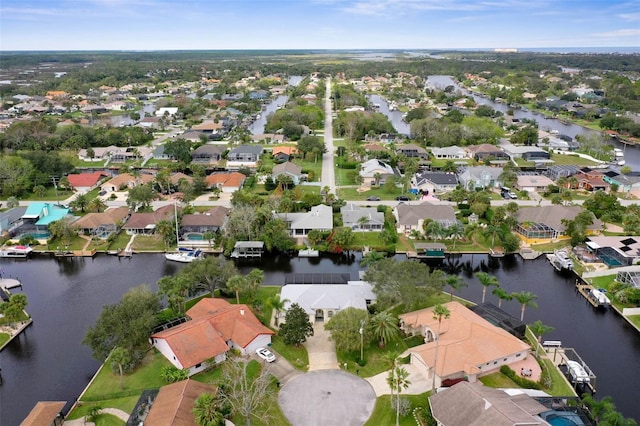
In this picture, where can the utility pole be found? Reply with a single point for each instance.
(361, 340)
(55, 180)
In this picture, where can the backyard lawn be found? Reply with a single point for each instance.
(384, 414)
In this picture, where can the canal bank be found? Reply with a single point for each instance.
(49, 361)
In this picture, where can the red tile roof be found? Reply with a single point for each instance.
(175, 402)
(213, 323)
(233, 180)
(85, 179)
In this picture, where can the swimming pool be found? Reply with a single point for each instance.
(37, 235)
(193, 237)
(562, 418)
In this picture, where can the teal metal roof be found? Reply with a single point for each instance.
(46, 212)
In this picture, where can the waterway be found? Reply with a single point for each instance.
(631, 152)
(257, 127)
(49, 361)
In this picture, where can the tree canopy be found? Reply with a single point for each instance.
(408, 283)
(297, 326)
(126, 324)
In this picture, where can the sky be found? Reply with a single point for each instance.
(316, 24)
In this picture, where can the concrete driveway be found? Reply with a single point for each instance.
(328, 397)
(280, 368)
(419, 383)
(321, 350)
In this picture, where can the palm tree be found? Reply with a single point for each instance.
(456, 231)
(97, 205)
(277, 305)
(433, 230)
(384, 326)
(166, 230)
(362, 221)
(377, 177)
(120, 357)
(237, 283)
(80, 202)
(209, 236)
(539, 329)
(526, 298)
(439, 312)
(394, 358)
(455, 283)
(398, 380)
(487, 281)
(502, 294)
(207, 410)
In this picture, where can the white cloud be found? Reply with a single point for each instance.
(630, 32)
(631, 17)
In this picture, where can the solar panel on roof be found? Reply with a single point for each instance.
(628, 241)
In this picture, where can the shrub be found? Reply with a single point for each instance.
(520, 381)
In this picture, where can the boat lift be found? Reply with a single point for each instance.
(565, 356)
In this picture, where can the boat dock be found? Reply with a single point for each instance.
(9, 283)
(595, 297)
(247, 249)
(428, 251)
(577, 371)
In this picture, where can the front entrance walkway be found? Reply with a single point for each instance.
(419, 383)
(321, 350)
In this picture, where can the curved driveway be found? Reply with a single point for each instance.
(327, 397)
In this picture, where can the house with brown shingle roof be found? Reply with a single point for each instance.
(102, 224)
(287, 169)
(45, 413)
(145, 223)
(226, 182)
(85, 181)
(411, 217)
(484, 151)
(211, 221)
(215, 327)
(469, 346)
(474, 404)
(174, 404)
(124, 181)
(175, 178)
(207, 155)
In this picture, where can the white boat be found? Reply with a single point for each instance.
(15, 251)
(599, 297)
(561, 260)
(577, 372)
(184, 256)
(618, 152)
(308, 253)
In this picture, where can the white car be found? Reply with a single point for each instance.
(265, 354)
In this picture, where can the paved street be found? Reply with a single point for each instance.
(328, 172)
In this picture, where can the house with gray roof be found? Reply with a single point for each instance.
(544, 223)
(244, 156)
(322, 301)
(319, 218)
(480, 177)
(207, 155)
(468, 403)
(11, 219)
(369, 169)
(625, 182)
(352, 215)
(449, 153)
(412, 151)
(528, 153)
(487, 151)
(410, 217)
(287, 169)
(435, 181)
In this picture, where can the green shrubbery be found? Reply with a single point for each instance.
(520, 381)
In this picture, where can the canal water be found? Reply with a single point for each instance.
(49, 361)
(257, 127)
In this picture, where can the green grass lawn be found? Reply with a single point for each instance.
(345, 176)
(125, 404)
(146, 376)
(148, 243)
(563, 160)
(4, 338)
(498, 380)
(77, 243)
(120, 242)
(49, 195)
(353, 194)
(384, 414)
(297, 356)
(635, 319)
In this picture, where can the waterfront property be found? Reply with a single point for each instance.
(102, 224)
(410, 217)
(320, 218)
(472, 403)
(615, 251)
(322, 301)
(214, 328)
(542, 224)
(362, 218)
(467, 345)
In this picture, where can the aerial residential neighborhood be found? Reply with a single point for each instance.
(288, 238)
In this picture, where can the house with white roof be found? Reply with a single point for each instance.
(449, 153)
(352, 215)
(319, 218)
(370, 169)
(322, 301)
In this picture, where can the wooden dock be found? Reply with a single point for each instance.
(585, 290)
(560, 356)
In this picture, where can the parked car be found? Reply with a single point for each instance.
(403, 198)
(265, 354)
(373, 198)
